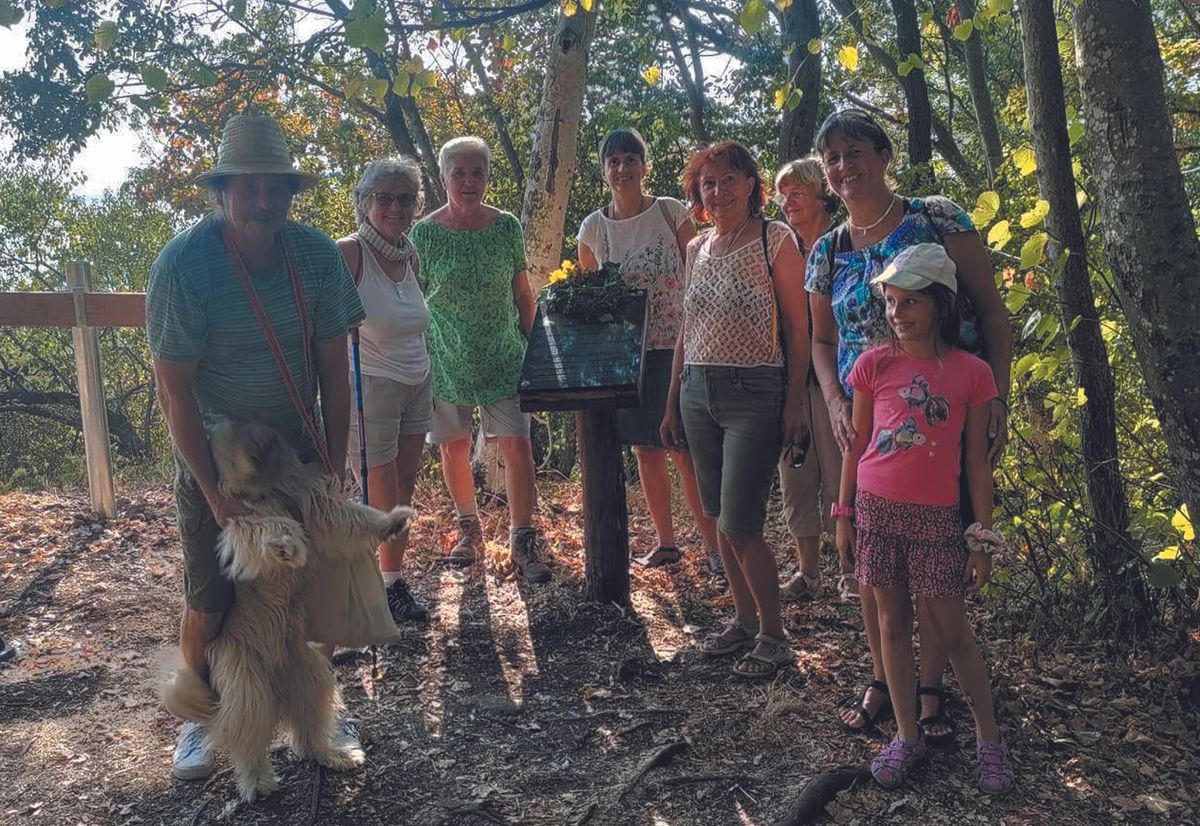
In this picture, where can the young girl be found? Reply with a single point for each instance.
(914, 401)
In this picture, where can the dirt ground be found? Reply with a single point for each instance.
(529, 706)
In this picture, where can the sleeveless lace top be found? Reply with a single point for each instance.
(730, 316)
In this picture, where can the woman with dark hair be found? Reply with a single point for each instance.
(848, 317)
(737, 385)
(648, 238)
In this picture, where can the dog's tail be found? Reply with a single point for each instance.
(185, 695)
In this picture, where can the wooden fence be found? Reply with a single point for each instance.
(84, 312)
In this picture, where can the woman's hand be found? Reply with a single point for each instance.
(223, 508)
(671, 430)
(841, 420)
(796, 423)
(997, 430)
(843, 538)
(979, 571)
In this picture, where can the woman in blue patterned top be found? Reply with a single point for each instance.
(848, 316)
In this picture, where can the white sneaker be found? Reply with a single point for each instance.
(193, 755)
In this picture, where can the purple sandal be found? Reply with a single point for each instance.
(891, 766)
(993, 770)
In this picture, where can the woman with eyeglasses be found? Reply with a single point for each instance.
(397, 405)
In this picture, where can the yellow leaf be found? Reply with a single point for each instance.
(999, 235)
(780, 97)
(1182, 522)
(1033, 250)
(1080, 198)
(569, 8)
(1168, 554)
(964, 29)
(783, 5)
(587, 5)
(1024, 160)
(814, 46)
(1080, 397)
(848, 57)
(986, 207)
(652, 75)
(1034, 216)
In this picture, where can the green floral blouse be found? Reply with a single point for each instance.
(475, 341)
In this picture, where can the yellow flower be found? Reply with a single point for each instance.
(557, 276)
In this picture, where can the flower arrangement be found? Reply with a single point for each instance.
(591, 295)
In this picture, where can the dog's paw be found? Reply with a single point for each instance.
(341, 759)
(290, 551)
(256, 788)
(398, 520)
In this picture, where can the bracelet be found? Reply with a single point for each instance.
(838, 511)
(983, 540)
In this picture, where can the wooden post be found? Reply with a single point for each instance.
(605, 516)
(91, 395)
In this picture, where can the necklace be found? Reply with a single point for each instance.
(733, 236)
(870, 227)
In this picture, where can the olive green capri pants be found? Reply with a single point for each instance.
(732, 419)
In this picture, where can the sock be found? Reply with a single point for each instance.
(513, 530)
(389, 577)
(470, 510)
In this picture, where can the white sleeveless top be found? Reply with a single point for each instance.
(392, 338)
(731, 317)
(646, 248)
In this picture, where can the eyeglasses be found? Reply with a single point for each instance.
(792, 197)
(386, 199)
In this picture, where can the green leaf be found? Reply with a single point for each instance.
(848, 57)
(1024, 159)
(1026, 363)
(154, 78)
(814, 46)
(204, 76)
(999, 235)
(1182, 522)
(1163, 575)
(1075, 131)
(236, 9)
(437, 15)
(1015, 298)
(377, 88)
(793, 99)
(10, 15)
(1031, 323)
(986, 207)
(1033, 250)
(366, 28)
(1036, 215)
(964, 29)
(754, 15)
(105, 35)
(99, 87)
(401, 83)
(353, 87)
(904, 67)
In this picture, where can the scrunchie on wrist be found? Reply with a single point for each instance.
(982, 539)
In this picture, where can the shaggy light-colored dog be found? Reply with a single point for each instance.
(263, 672)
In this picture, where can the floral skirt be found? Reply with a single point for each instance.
(919, 548)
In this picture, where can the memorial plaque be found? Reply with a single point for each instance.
(577, 364)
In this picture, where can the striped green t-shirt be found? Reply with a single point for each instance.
(196, 310)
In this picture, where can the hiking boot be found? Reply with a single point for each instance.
(470, 542)
(527, 549)
(194, 758)
(403, 605)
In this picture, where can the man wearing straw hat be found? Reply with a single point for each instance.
(215, 291)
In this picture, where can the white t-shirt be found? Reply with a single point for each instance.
(392, 338)
(646, 248)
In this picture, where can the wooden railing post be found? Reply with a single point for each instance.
(91, 395)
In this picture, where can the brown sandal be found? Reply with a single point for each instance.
(779, 656)
(732, 639)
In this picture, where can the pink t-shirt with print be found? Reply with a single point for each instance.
(920, 409)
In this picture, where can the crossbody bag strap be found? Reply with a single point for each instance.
(239, 267)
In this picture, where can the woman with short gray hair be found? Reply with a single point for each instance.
(397, 406)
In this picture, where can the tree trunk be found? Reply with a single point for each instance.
(801, 23)
(693, 84)
(552, 166)
(494, 113)
(605, 518)
(981, 96)
(916, 95)
(1110, 547)
(1149, 232)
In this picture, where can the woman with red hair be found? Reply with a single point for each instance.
(737, 393)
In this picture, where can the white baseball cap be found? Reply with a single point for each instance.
(918, 266)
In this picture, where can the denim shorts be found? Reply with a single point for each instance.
(732, 421)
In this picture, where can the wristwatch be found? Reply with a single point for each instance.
(838, 510)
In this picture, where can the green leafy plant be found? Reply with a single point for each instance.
(590, 295)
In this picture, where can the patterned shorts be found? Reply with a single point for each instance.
(919, 548)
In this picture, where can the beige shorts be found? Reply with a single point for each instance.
(810, 489)
(502, 418)
(390, 410)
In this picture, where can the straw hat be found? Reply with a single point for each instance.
(253, 144)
